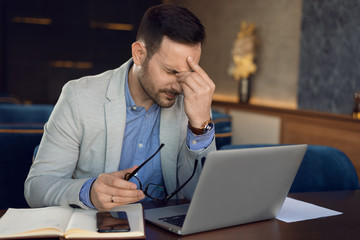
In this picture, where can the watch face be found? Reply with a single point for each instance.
(208, 127)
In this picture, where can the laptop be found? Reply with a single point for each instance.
(236, 186)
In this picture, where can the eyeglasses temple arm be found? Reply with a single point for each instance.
(127, 178)
(183, 185)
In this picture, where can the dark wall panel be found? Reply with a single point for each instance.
(330, 55)
(39, 59)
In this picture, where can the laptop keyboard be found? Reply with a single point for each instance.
(174, 220)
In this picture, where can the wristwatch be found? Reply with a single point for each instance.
(205, 128)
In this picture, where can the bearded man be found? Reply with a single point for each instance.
(104, 127)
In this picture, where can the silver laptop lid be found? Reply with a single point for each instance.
(241, 186)
(236, 187)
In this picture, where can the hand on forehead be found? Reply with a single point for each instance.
(174, 55)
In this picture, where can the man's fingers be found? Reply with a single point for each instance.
(110, 201)
(118, 191)
(109, 190)
(182, 74)
(191, 80)
(114, 181)
(117, 200)
(121, 174)
(198, 74)
(194, 66)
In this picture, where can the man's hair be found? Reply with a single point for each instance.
(175, 22)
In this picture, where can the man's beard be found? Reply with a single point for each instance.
(150, 90)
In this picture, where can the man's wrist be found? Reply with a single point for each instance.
(205, 127)
(198, 142)
(85, 193)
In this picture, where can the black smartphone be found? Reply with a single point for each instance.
(112, 222)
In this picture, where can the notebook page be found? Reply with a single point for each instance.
(19, 221)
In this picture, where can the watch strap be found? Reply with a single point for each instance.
(206, 127)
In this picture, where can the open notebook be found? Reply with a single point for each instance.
(66, 222)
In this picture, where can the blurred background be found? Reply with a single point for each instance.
(303, 58)
(45, 43)
(307, 54)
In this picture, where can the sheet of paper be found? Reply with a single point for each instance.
(295, 210)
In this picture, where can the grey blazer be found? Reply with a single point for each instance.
(83, 138)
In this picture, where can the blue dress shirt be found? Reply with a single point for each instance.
(141, 140)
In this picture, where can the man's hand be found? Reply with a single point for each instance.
(108, 185)
(198, 90)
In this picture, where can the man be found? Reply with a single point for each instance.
(104, 126)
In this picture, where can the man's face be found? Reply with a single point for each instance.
(157, 76)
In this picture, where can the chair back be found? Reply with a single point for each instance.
(16, 151)
(21, 129)
(223, 128)
(25, 114)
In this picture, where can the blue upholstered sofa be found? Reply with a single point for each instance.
(223, 128)
(21, 129)
(24, 114)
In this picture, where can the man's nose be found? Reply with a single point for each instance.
(176, 85)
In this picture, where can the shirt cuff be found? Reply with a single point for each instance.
(197, 142)
(85, 193)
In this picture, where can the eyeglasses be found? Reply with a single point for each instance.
(156, 191)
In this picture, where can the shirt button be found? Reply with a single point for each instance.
(134, 108)
(140, 145)
(194, 142)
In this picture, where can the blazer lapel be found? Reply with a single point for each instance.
(115, 117)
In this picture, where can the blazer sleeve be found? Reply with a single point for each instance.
(186, 161)
(186, 165)
(49, 181)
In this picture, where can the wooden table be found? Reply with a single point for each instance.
(345, 226)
